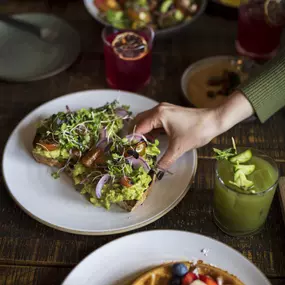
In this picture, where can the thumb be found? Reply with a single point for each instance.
(147, 123)
(173, 152)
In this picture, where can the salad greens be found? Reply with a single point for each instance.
(80, 129)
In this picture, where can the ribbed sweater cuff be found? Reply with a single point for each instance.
(266, 89)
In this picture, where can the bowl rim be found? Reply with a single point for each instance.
(188, 71)
(161, 32)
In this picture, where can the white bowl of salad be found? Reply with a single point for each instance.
(165, 16)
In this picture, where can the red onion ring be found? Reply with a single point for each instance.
(138, 162)
(105, 178)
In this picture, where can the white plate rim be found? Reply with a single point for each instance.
(117, 240)
(104, 232)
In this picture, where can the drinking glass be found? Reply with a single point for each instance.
(128, 56)
(260, 25)
(239, 212)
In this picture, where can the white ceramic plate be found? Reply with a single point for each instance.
(56, 203)
(24, 57)
(110, 265)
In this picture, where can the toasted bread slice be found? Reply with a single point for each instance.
(126, 205)
(133, 204)
(48, 161)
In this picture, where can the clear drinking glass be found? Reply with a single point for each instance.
(260, 25)
(128, 57)
(241, 213)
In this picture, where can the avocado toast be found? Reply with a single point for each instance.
(105, 167)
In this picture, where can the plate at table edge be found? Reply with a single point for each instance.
(64, 185)
(149, 249)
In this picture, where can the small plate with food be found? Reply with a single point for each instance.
(208, 82)
(94, 171)
(166, 257)
(165, 16)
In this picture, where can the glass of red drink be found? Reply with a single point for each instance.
(260, 25)
(128, 55)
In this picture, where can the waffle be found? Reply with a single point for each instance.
(162, 275)
(157, 276)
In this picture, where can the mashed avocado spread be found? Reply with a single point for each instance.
(113, 191)
(117, 193)
(60, 154)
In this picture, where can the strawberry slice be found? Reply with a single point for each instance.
(189, 278)
(208, 280)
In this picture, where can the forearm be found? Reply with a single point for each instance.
(266, 88)
(236, 109)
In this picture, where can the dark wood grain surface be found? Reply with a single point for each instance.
(31, 253)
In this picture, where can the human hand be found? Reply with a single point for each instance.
(189, 128)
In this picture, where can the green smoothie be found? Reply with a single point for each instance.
(243, 210)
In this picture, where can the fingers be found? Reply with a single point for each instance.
(151, 119)
(147, 121)
(173, 152)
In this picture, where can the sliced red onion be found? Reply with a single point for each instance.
(138, 162)
(103, 144)
(121, 112)
(105, 178)
(136, 137)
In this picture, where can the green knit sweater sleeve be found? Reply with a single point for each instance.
(265, 89)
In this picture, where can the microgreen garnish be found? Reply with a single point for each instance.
(80, 129)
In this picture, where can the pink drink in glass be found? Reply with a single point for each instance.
(127, 73)
(257, 38)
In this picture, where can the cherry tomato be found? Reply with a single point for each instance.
(105, 5)
(49, 146)
(125, 181)
(140, 148)
(208, 280)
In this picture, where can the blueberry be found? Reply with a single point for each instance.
(135, 155)
(130, 152)
(175, 281)
(179, 269)
(160, 175)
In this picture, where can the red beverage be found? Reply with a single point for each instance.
(128, 56)
(257, 38)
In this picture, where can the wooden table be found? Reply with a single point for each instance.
(31, 253)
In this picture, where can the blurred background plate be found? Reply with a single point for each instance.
(26, 57)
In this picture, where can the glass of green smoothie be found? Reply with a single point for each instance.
(245, 184)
